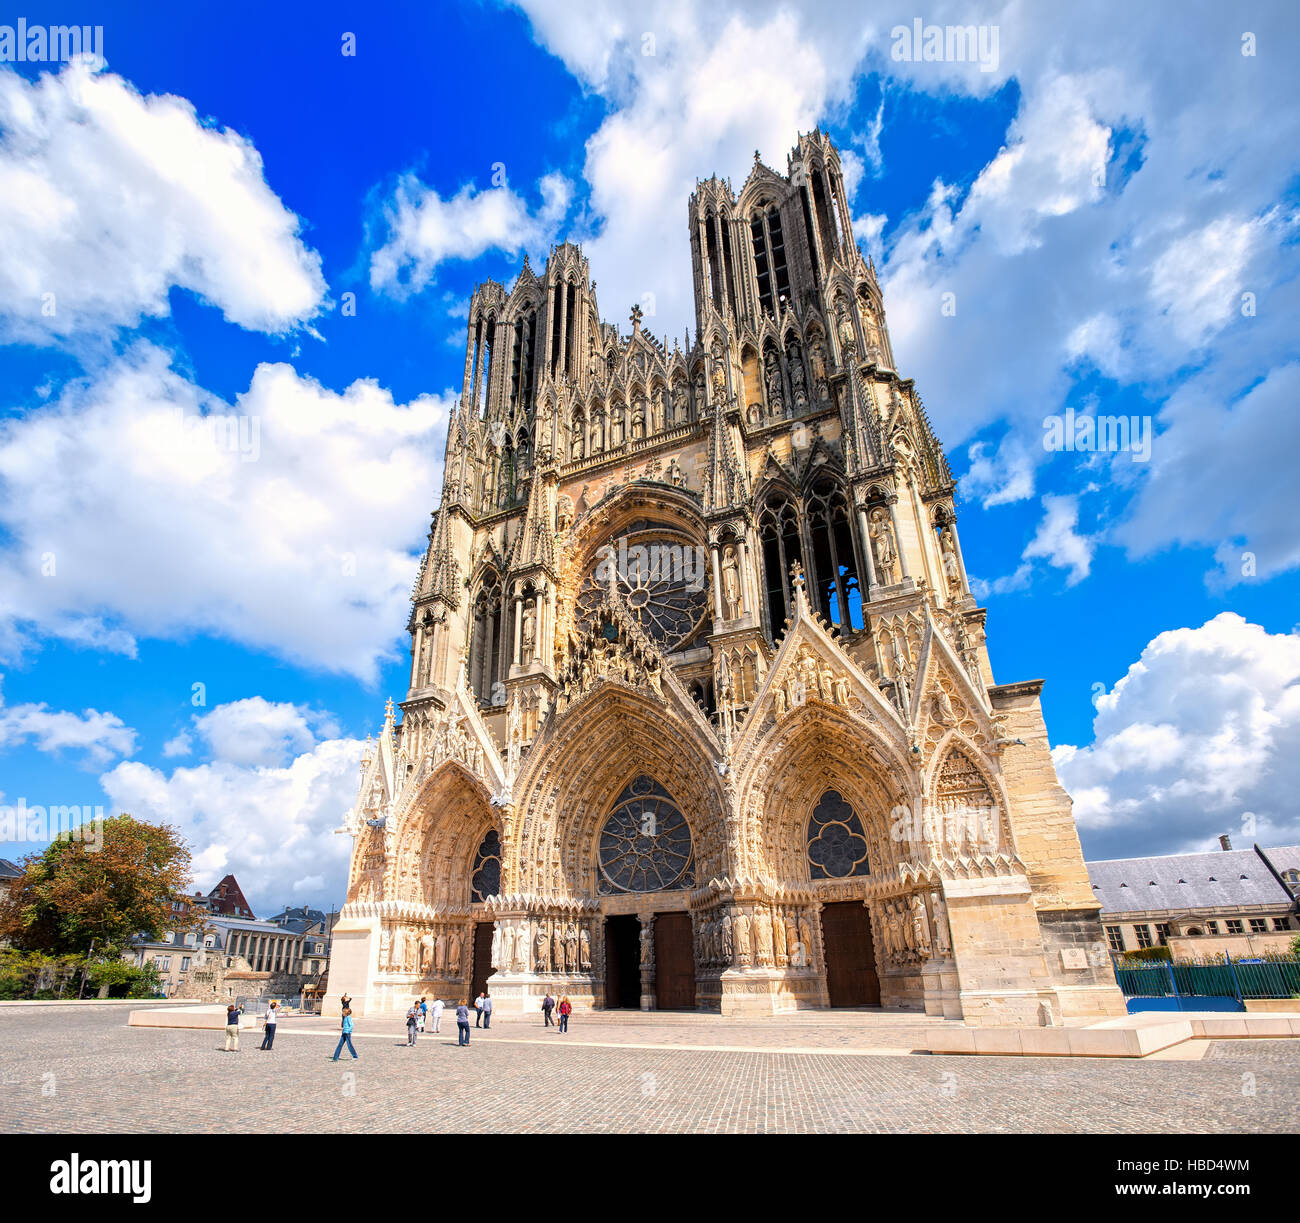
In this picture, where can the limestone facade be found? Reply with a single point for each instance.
(700, 707)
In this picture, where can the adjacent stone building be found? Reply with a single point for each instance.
(701, 712)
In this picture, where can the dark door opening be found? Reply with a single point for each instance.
(623, 962)
(674, 962)
(851, 978)
(482, 959)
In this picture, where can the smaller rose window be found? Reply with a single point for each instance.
(487, 868)
(837, 845)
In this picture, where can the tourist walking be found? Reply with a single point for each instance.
(548, 1005)
(478, 1010)
(565, 1009)
(435, 1013)
(412, 1021)
(424, 1014)
(462, 1023)
(487, 1009)
(232, 1028)
(268, 1027)
(345, 1037)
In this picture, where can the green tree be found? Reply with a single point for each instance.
(71, 894)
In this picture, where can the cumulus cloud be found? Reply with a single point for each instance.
(1057, 540)
(1202, 730)
(424, 230)
(263, 807)
(97, 737)
(109, 198)
(289, 520)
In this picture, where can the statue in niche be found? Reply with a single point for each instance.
(775, 394)
(616, 418)
(528, 633)
(844, 329)
(942, 935)
(575, 446)
(798, 953)
(571, 948)
(920, 925)
(507, 949)
(762, 938)
(427, 958)
(584, 949)
(778, 941)
(742, 938)
(731, 582)
(728, 946)
(884, 546)
(542, 950)
(699, 389)
(647, 945)
(817, 354)
(948, 549)
(496, 946)
(798, 380)
(440, 950)
(680, 406)
(557, 948)
(658, 410)
(638, 420)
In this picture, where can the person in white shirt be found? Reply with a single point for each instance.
(435, 1013)
(478, 1011)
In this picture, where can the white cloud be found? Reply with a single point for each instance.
(294, 530)
(255, 731)
(1058, 542)
(1203, 728)
(109, 198)
(424, 230)
(1000, 478)
(180, 744)
(263, 808)
(97, 737)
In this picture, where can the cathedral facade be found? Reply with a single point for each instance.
(701, 713)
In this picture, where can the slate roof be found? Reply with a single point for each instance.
(8, 870)
(1226, 879)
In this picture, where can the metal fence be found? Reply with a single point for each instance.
(1238, 979)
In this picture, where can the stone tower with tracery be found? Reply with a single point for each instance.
(701, 712)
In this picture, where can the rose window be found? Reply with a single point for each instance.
(645, 844)
(663, 583)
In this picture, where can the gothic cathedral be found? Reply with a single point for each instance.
(701, 713)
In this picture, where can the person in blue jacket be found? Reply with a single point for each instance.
(346, 1037)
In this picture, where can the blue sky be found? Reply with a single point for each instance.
(1097, 205)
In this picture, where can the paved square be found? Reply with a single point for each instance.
(78, 1070)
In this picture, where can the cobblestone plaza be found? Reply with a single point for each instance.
(82, 1070)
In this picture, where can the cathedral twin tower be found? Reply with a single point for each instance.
(701, 713)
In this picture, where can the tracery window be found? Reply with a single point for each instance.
(486, 880)
(485, 648)
(662, 582)
(645, 843)
(778, 528)
(836, 844)
(834, 567)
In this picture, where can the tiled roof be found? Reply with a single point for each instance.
(1223, 880)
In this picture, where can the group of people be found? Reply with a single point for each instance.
(234, 1011)
(421, 1016)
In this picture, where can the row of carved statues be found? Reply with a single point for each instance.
(543, 945)
(912, 929)
(430, 951)
(757, 936)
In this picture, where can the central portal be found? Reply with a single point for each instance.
(623, 962)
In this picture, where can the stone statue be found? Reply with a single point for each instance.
(882, 544)
(951, 570)
(584, 949)
(942, 935)
(647, 945)
(428, 954)
(507, 960)
(455, 949)
(941, 709)
(440, 950)
(798, 952)
(762, 938)
(775, 397)
(920, 925)
(731, 583)
(557, 948)
(496, 947)
(542, 950)
(571, 948)
(728, 946)
(742, 938)
(529, 632)
(778, 941)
